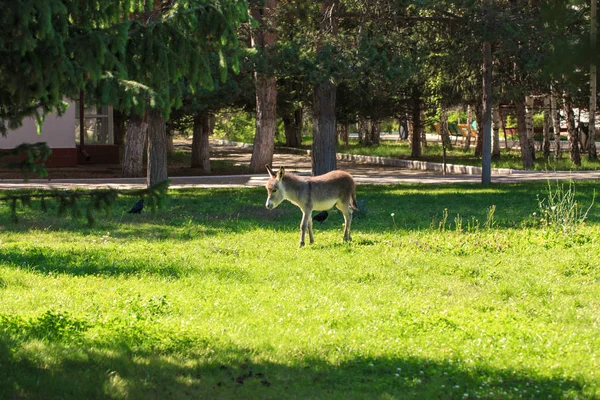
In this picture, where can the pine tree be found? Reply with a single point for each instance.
(129, 53)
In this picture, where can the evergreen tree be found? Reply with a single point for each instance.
(129, 53)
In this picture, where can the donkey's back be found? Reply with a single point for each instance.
(335, 187)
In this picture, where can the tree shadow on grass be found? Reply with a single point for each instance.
(81, 263)
(117, 371)
(194, 213)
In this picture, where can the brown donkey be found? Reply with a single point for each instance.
(317, 193)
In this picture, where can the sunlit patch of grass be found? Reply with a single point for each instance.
(459, 155)
(210, 298)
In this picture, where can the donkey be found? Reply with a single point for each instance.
(319, 193)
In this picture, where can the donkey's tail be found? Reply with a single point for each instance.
(353, 204)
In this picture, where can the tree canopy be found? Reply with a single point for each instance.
(129, 52)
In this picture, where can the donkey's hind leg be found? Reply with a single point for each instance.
(344, 207)
(310, 229)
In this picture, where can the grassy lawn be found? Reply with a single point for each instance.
(458, 155)
(211, 298)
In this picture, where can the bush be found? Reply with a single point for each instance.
(239, 126)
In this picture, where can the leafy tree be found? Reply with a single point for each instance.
(200, 105)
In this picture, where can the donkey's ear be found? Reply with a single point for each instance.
(280, 173)
(270, 171)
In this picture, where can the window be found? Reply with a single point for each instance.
(98, 125)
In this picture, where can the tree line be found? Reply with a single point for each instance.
(171, 64)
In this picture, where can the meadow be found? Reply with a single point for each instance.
(449, 291)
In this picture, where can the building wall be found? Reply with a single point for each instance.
(57, 132)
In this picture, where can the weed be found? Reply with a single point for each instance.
(559, 210)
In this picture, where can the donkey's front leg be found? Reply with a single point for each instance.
(303, 226)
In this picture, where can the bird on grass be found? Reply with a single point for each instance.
(137, 208)
(320, 217)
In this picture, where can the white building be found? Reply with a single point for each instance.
(63, 135)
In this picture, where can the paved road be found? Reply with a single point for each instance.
(363, 174)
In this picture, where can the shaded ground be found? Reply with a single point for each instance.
(223, 159)
(230, 169)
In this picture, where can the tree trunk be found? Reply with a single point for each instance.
(502, 113)
(592, 155)
(547, 123)
(292, 126)
(469, 127)
(200, 146)
(416, 126)
(555, 115)
(266, 92)
(266, 122)
(423, 131)
(135, 142)
(522, 129)
(344, 133)
(324, 97)
(170, 136)
(411, 131)
(573, 139)
(370, 131)
(119, 127)
(496, 124)
(479, 138)
(486, 113)
(324, 128)
(445, 136)
(363, 130)
(375, 131)
(157, 148)
(361, 133)
(529, 125)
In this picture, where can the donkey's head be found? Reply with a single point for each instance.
(275, 189)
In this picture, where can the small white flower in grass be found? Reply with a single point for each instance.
(397, 375)
(371, 365)
(418, 381)
(398, 369)
(466, 395)
(393, 215)
(456, 387)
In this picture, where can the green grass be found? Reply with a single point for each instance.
(458, 155)
(211, 298)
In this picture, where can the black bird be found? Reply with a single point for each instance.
(320, 217)
(137, 208)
